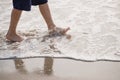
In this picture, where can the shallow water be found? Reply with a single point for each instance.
(95, 29)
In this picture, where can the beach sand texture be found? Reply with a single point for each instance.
(95, 30)
(58, 69)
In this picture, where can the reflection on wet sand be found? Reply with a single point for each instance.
(42, 69)
(48, 65)
(19, 65)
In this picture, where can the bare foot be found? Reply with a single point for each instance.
(58, 30)
(14, 38)
(64, 31)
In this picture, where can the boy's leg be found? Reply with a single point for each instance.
(18, 6)
(11, 35)
(45, 11)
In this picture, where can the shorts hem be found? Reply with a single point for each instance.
(22, 9)
(40, 3)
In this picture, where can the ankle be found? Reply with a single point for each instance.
(51, 26)
(11, 33)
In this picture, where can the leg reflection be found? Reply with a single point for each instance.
(19, 65)
(48, 65)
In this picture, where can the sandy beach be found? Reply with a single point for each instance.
(58, 69)
(95, 29)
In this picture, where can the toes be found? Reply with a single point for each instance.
(65, 30)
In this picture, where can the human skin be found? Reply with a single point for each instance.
(15, 16)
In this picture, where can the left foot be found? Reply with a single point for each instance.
(14, 38)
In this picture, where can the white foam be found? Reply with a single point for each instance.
(95, 27)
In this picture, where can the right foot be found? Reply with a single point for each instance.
(61, 31)
(14, 38)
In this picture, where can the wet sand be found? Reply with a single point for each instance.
(58, 69)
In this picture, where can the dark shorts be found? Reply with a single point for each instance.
(26, 4)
